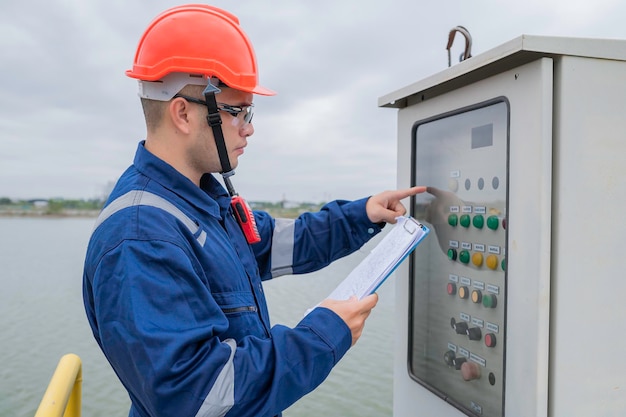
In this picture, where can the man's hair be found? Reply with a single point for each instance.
(154, 110)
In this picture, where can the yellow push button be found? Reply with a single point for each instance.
(463, 292)
(477, 259)
(492, 262)
(477, 296)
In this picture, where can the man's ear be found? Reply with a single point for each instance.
(179, 112)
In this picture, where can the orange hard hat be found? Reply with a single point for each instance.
(198, 39)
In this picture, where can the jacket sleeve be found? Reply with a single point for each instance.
(159, 326)
(313, 240)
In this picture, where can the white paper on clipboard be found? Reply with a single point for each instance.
(368, 275)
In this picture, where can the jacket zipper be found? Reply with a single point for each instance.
(239, 309)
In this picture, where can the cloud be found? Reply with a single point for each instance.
(71, 119)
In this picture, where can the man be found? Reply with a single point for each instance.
(172, 289)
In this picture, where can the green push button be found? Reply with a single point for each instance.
(493, 222)
(452, 254)
(464, 256)
(489, 301)
(503, 264)
(453, 220)
(465, 220)
(478, 221)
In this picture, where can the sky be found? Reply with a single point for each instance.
(70, 120)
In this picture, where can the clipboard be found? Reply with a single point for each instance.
(380, 263)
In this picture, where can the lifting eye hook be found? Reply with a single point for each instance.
(468, 43)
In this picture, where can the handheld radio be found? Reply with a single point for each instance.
(243, 214)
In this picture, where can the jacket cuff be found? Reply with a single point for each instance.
(356, 211)
(331, 328)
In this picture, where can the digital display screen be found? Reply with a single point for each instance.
(482, 136)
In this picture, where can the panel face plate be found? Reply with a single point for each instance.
(457, 306)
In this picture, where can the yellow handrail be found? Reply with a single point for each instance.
(63, 396)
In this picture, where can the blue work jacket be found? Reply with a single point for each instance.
(176, 302)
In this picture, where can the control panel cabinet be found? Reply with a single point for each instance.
(508, 308)
(458, 293)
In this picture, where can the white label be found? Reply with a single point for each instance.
(476, 408)
(467, 209)
(454, 209)
(454, 244)
(466, 245)
(479, 247)
(465, 317)
(455, 174)
(477, 322)
(494, 289)
(452, 347)
(475, 358)
(454, 278)
(492, 327)
(480, 210)
(479, 285)
(466, 281)
(494, 249)
(463, 352)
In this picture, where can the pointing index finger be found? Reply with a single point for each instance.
(410, 191)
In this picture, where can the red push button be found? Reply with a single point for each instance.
(490, 340)
(451, 288)
(470, 371)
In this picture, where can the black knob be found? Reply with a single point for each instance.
(458, 362)
(460, 327)
(474, 333)
(449, 357)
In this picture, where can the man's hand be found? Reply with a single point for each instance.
(353, 312)
(386, 206)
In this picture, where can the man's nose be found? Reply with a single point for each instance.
(246, 130)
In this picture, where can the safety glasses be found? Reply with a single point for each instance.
(243, 113)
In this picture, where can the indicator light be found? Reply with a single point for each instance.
(465, 220)
(493, 222)
(492, 262)
(464, 256)
(478, 221)
(463, 292)
(477, 259)
(490, 301)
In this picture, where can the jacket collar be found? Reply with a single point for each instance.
(210, 197)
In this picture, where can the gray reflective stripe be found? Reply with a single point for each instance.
(145, 198)
(221, 398)
(282, 247)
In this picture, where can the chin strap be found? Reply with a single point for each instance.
(215, 121)
(241, 210)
